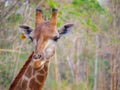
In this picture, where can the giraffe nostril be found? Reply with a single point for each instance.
(39, 56)
(36, 56)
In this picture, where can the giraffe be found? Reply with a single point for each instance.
(44, 37)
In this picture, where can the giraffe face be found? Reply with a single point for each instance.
(44, 46)
(45, 36)
(42, 37)
(43, 33)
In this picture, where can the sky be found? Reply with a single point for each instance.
(103, 2)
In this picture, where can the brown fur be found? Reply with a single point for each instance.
(33, 84)
(24, 84)
(39, 18)
(16, 80)
(53, 20)
(19, 84)
(40, 78)
(28, 72)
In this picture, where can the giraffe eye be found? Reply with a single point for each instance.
(31, 38)
(56, 38)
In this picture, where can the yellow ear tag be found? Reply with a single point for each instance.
(22, 36)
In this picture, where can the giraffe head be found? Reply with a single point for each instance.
(44, 37)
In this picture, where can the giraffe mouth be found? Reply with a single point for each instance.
(39, 63)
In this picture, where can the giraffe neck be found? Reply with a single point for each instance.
(30, 78)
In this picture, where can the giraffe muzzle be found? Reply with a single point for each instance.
(39, 62)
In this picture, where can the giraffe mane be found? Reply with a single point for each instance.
(16, 80)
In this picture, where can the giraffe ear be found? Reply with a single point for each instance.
(25, 32)
(65, 29)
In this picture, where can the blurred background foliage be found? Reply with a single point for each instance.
(85, 59)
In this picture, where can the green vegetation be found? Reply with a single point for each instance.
(95, 37)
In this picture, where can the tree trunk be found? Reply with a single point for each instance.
(96, 62)
(115, 10)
